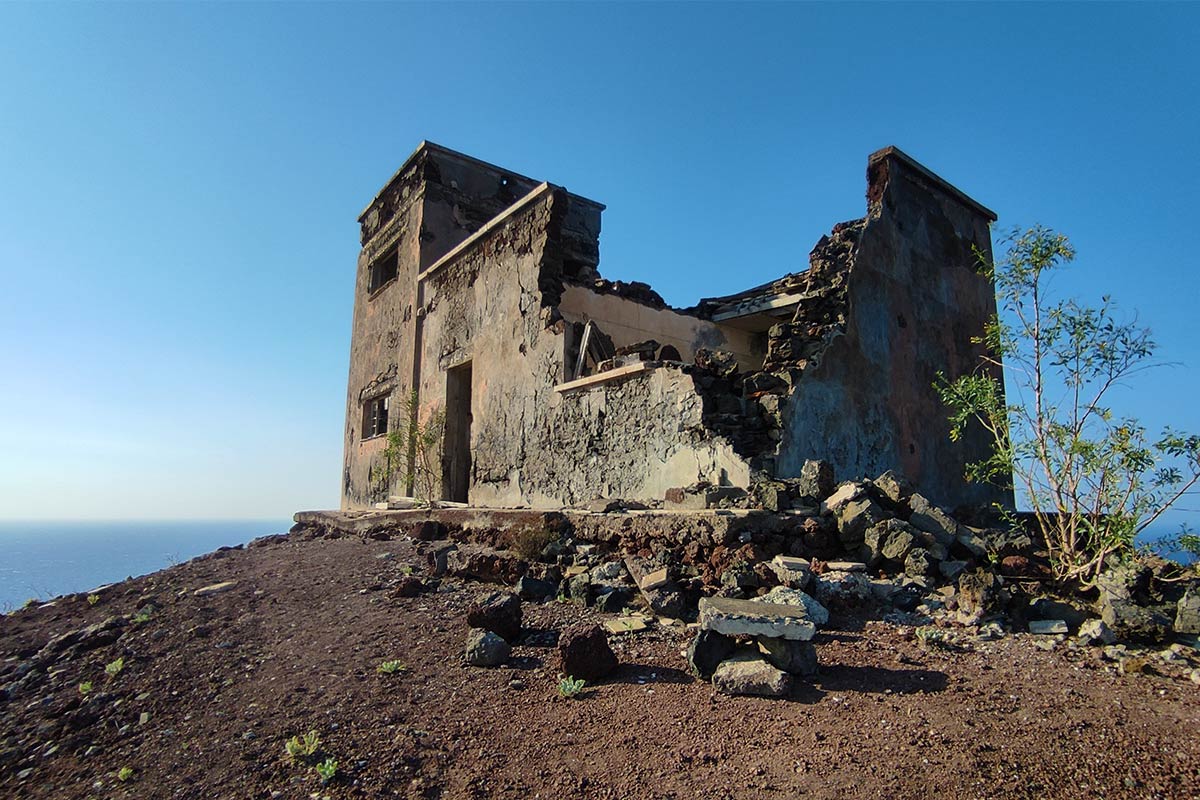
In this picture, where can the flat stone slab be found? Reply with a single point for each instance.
(793, 572)
(654, 580)
(631, 624)
(845, 566)
(1048, 626)
(748, 618)
(214, 588)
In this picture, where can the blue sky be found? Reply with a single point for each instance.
(179, 185)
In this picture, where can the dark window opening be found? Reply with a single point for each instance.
(383, 270)
(375, 417)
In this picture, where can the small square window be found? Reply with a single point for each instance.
(375, 417)
(383, 270)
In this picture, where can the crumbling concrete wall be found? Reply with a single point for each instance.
(914, 301)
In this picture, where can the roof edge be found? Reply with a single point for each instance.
(930, 175)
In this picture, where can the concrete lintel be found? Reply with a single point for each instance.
(608, 375)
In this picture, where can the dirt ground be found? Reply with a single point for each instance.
(212, 686)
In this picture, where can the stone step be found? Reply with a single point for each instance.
(747, 618)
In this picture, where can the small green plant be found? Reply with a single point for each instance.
(327, 769)
(124, 774)
(141, 617)
(85, 688)
(412, 452)
(30, 603)
(928, 636)
(301, 747)
(113, 668)
(93, 599)
(569, 687)
(391, 667)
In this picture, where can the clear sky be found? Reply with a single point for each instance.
(179, 185)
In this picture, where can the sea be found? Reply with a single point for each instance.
(41, 560)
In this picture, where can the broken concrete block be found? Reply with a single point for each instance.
(843, 495)
(707, 650)
(845, 566)
(792, 572)
(746, 617)
(1048, 627)
(748, 673)
(783, 596)
(654, 580)
(794, 658)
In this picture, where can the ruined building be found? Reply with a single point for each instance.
(478, 294)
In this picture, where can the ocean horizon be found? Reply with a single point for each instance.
(44, 559)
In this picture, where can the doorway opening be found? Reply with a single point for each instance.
(456, 447)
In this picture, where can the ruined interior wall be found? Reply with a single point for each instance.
(914, 302)
(530, 445)
(382, 332)
(628, 321)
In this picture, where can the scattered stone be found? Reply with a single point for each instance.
(899, 542)
(1187, 613)
(816, 480)
(835, 502)
(428, 531)
(748, 673)
(931, 519)
(951, 570)
(584, 652)
(1094, 631)
(408, 586)
(782, 595)
(854, 519)
(841, 589)
(894, 487)
(530, 588)
(794, 658)
(499, 612)
(707, 650)
(746, 617)
(845, 566)
(971, 543)
(919, 563)
(1133, 622)
(214, 588)
(773, 496)
(1048, 627)
(486, 649)
(612, 601)
(978, 596)
(792, 572)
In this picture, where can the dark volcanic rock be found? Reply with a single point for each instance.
(707, 650)
(485, 649)
(584, 652)
(408, 586)
(499, 612)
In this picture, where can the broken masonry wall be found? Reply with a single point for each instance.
(627, 322)
(531, 445)
(914, 302)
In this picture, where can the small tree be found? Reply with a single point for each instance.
(1093, 479)
(411, 451)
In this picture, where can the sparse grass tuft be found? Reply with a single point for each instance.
(85, 688)
(93, 599)
(124, 774)
(301, 747)
(113, 668)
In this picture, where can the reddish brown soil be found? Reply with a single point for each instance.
(294, 647)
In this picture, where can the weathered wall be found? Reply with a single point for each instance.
(628, 321)
(914, 303)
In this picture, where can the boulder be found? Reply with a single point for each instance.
(794, 658)
(900, 540)
(584, 652)
(919, 563)
(838, 589)
(773, 496)
(485, 649)
(1132, 622)
(707, 650)
(749, 618)
(498, 612)
(894, 487)
(748, 673)
(783, 596)
(855, 517)
(979, 596)
(816, 480)
(931, 519)
(530, 588)
(1187, 612)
